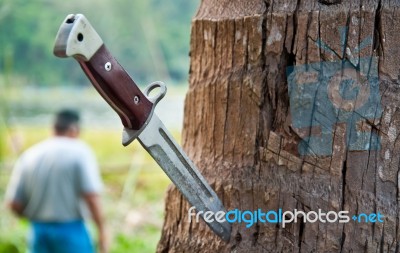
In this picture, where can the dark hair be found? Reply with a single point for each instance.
(65, 119)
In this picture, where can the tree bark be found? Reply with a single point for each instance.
(239, 128)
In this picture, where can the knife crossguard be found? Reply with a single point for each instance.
(77, 38)
(128, 135)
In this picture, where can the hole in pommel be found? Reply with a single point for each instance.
(80, 37)
(70, 20)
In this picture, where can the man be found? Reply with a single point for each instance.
(50, 185)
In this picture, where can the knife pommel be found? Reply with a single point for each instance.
(78, 39)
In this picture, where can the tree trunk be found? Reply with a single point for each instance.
(266, 135)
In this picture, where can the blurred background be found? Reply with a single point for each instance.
(151, 40)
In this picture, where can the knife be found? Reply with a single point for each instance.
(77, 38)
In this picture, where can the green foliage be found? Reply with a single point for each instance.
(13, 235)
(149, 38)
(143, 243)
(3, 129)
(2, 144)
(8, 247)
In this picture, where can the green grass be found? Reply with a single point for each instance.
(133, 196)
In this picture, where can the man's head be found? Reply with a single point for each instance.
(67, 123)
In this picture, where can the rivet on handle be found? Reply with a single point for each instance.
(136, 100)
(107, 66)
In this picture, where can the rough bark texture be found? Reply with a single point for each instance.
(238, 127)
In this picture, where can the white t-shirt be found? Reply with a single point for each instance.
(50, 178)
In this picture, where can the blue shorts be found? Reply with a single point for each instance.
(60, 237)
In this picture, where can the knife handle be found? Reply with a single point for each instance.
(77, 38)
(117, 88)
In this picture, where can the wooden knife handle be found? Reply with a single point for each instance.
(117, 88)
(77, 38)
